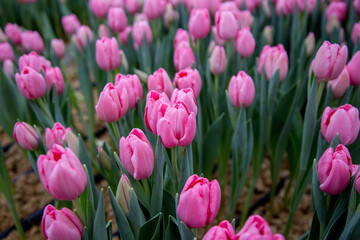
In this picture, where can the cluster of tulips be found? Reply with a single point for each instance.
(184, 87)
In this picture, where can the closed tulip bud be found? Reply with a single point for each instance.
(272, 59)
(334, 170)
(141, 31)
(133, 6)
(226, 24)
(13, 32)
(244, 42)
(337, 9)
(246, 19)
(56, 135)
(99, 8)
(61, 173)
(199, 23)
(286, 7)
(104, 159)
(32, 41)
(107, 54)
(357, 6)
(54, 77)
(113, 103)
(188, 78)
(177, 127)
(357, 178)
(26, 136)
(72, 141)
(355, 35)
(184, 58)
(154, 8)
(123, 36)
(58, 47)
(343, 120)
(310, 43)
(218, 39)
(136, 154)
(83, 36)
(61, 225)
(249, 4)
(256, 227)
(30, 83)
(8, 68)
(160, 82)
(196, 4)
(230, 6)
(103, 31)
(187, 97)
(70, 23)
(199, 201)
(154, 102)
(218, 60)
(269, 34)
(6, 52)
(117, 19)
(34, 61)
(118, 3)
(223, 231)
(123, 194)
(3, 37)
(133, 87)
(329, 61)
(340, 84)
(181, 38)
(241, 90)
(170, 15)
(353, 68)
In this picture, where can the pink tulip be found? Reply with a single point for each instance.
(117, 19)
(355, 35)
(334, 170)
(353, 67)
(54, 76)
(199, 23)
(357, 6)
(246, 19)
(32, 41)
(160, 82)
(256, 227)
(103, 31)
(61, 173)
(223, 231)
(197, 4)
(250, 4)
(13, 32)
(58, 47)
(199, 202)
(218, 60)
(70, 23)
(310, 43)
(170, 15)
(177, 127)
(8, 68)
(61, 225)
(113, 103)
(141, 31)
(154, 8)
(241, 90)
(272, 59)
(136, 154)
(286, 7)
(83, 36)
(310, 5)
(244, 42)
(56, 135)
(184, 58)
(357, 178)
(187, 97)
(188, 78)
(6, 51)
(226, 24)
(107, 54)
(31, 84)
(118, 3)
(25, 135)
(181, 37)
(340, 84)
(133, 87)
(343, 120)
(99, 8)
(123, 192)
(34, 61)
(133, 6)
(337, 9)
(123, 36)
(154, 102)
(230, 6)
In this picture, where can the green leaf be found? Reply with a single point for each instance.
(185, 171)
(109, 230)
(157, 181)
(273, 87)
(172, 230)
(318, 198)
(151, 228)
(136, 217)
(352, 203)
(314, 232)
(99, 220)
(185, 232)
(352, 230)
(232, 111)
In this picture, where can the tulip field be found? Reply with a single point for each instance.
(179, 119)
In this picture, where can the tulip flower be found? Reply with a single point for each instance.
(353, 68)
(117, 19)
(199, 201)
(34, 61)
(123, 36)
(61, 224)
(246, 19)
(244, 42)
(223, 231)
(99, 8)
(170, 15)
(141, 31)
(335, 170)
(329, 61)
(70, 23)
(340, 84)
(8, 67)
(226, 24)
(13, 32)
(83, 36)
(58, 47)
(133, 6)
(241, 90)
(310, 43)
(188, 78)
(56, 135)
(343, 120)
(154, 8)
(54, 76)
(187, 97)
(32, 41)
(199, 23)
(184, 58)
(61, 173)
(272, 59)
(269, 36)
(123, 194)
(133, 87)
(107, 54)
(136, 154)
(26, 136)
(336, 9)
(181, 37)
(355, 35)
(160, 82)
(30, 83)
(113, 103)
(250, 4)
(230, 6)
(154, 102)
(6, 52)
(218, 60)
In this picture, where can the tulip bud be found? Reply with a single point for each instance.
(103, 31)
(117, 19)
(170, 15)
(187, 97)
(241, 90)
(133, 87)
(184, 58)
(154, 8)
(26, 136)
(113, 103)
(142, 75)
(63, 224)
(218, 60)
(8, 68)
(336, 9)
(357, 6)
(353, 68)
(334, 170)
(133, 6)
(188, 78)
(54, 76)
(3, 37)
(32, 41)
(272, 59)
(224, 231)
(58, 47)
(199, 202)
(123, 194)
(355, 35)
(340, 84)
(357, 178)
(141, 31)
(104, 159)
(160, 82)
(6, 52)
(83, 36)
(107, 53)
(199, 23)
(246, 19)
(136, 154)
(13, 32)
(56, 135)
(72, 141)
(343, 120)
(99, 7)
(34, 61)
(123, 36)
(181, 37)
(30, 83)
(244, 42)
(310, 44)
(62, 173)
(329, 61)
(269, 33)
(70, 23)
(226, 24)
(230, 6)
(154, 102)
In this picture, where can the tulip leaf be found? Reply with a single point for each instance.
(168, 206)
(185, 171)
(136, 217)
(185, 232)
(314, 232)
(233, 113)
(151, 228)
(109, 230)
(87, 200)
(352, 203)
(120, 218)
(99, 220)
(172, 230)
(335, 141)
(157, 180)
(352, 230)
(318, 198)
(272, 90)
(44, 120)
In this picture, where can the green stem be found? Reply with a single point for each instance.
(174, 165)
(248, 200)
(146, 187)
(45, 107)
(115, 130)
(319, 93)
(79, 210)
(216, 88)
